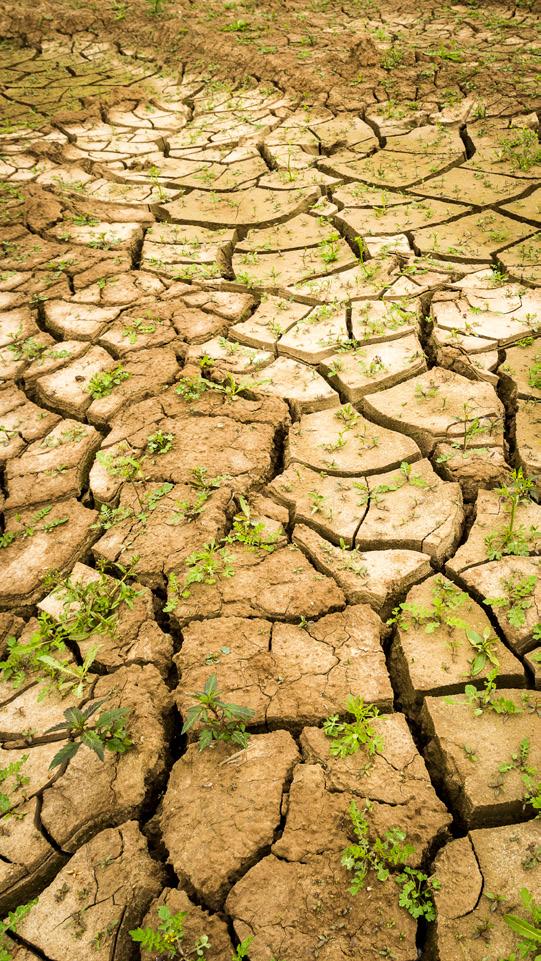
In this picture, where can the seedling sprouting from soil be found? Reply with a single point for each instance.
(483, 645)
(380, 856)
(11, 780)
(10, 923)
(349, 736)
(247, 531)
(107, 732)
(101, 385)
(446, 600)
(204, 486)
(219, 720)
(120, 463)
(33, 527)
(167, 938)
(486, 699)
(192, 388)
(511, 539)
(529, 932)
(521, 148)
(516, 600)
(160, 442)
(204, 566)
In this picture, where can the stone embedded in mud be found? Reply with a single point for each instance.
(197, 923)
(341, 441)
(369, 577)
(487, 536)
(51, 537)
(91, 794)
(281, 585)
(310, 901)
(135, 637)
(414, 509)
(222, 808)
(515, 584)
(433, 657)
(52, 468)
(466, 753)
(439, 406)
(289, 675)
(94, 901)
(376, 367)
(470, 872)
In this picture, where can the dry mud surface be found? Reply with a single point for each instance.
(270, 410)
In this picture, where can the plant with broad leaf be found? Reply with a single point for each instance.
(529, 932)
(349, 736)
(10, 924)
(106, 732)
(219, 720)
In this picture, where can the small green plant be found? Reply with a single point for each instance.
(486, 699)
(512, 540)
(103, 384)
(167, 939)
(33, 527)
(191, 388)
(534, 374)
(483, 646)
(206, 566)
(349, 736)
(219, 721)
(120, 463)
(138, 326)
(10, 923)
(156, 7)
(107, 732)
(160, 442)
(11, 780)
(517, 598)
(521, 148)
(446, 601)
(203, 486)
(380, 856)
(529, 931)
(247, 531)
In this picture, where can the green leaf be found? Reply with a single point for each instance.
(66, 753)
(525, 929)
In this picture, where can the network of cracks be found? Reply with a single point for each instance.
(271, 379)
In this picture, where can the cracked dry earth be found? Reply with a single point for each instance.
(216, 300)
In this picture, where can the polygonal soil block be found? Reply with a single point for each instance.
(134, 638)
(470, 187)
(394, 778)
(51, 538)
(466, 754)
(155, 532)
(420, 512)
(488, 533)
(90, 794)
(515, 584)
(475, 468)
(376, 367)
(341, 441)
(523, 260)
(396, 214)
(66, 390)
(221, 810)
(301, 386)
(439, 661)
(21, 422)
(102, 893)
(370, 577)
(244, 454)
(362, 282)
(523, 366)
(52, 468)
(315, 336)
(296, 233)
(334, 506)
(375, 321)
(474, 237)
(230, 355)
(311, 903)
(141, 329)
(270, 320)
(528, 439)
(470, 872)
(439, 406)
(491, 317)
(277, 270)
(71, 320)
(289, 675)
(197, 923)
(393, 168)
(149, 371)
(281, 585)
(248, 208)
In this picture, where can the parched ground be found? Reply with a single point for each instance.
(270, 410)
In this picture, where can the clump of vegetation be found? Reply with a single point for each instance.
(381, 856)
(34, 526)
(349, 736)
(107, 732)
(516, 599)
(11, 780)
(103, 384)
(529, 931)
(486, 699)
(512, 539)
(160, 442)
(167, 939)
(247, 531)
(219, 720)
(521, 148)
(446, 601)
(10, 924)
